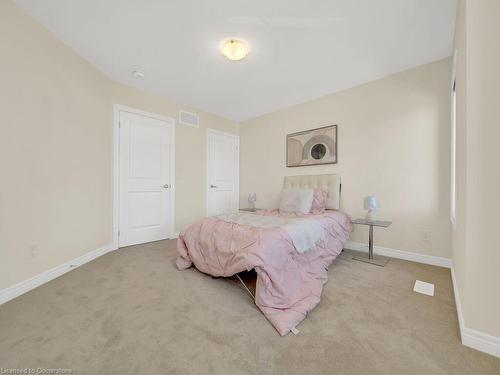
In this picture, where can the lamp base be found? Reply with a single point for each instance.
(371, 215)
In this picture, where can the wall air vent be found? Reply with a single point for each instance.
(189, 119)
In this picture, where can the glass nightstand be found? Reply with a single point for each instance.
(369, 258)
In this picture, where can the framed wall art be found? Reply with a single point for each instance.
(312, 147)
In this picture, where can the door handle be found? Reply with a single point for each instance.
(166, 186)
(213, 186)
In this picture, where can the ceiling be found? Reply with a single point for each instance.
(300, 50)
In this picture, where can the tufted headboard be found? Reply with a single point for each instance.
(327, 182)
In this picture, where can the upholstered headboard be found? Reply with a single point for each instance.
(327, 182)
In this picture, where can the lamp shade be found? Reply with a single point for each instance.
(371, 203)
(252, 198)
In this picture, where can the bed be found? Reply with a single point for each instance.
(291, 263)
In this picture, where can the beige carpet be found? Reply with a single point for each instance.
(132, 312)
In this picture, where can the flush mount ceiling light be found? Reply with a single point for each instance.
(234, 49)
(138, 74)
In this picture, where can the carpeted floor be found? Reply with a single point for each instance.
(132, 312)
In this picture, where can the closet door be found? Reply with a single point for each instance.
(223, 172)
(146, 179)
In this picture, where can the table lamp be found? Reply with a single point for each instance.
(371, 204)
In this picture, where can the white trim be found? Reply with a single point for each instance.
(237, 177)
(481, 341)
(470, 337)
(25, 286)
(400, 254)
(458, 303)
(453, 144)
(116, 165)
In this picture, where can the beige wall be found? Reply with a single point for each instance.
(476, 253)
(56, 150)
(393, 143)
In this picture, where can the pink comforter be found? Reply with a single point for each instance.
(289, 284)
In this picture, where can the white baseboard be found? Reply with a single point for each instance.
(481, 341)
(25, 286)
(470, 337)
(458, 303)
(175, 235)
(400, 254)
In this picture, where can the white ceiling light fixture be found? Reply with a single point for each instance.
(235, 49)
(138, 74)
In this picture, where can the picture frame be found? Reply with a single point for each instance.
(317, 146)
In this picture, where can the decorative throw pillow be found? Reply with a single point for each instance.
(296, 200)
(319, 201)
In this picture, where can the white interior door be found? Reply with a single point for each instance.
(146, 179)
(223, 166)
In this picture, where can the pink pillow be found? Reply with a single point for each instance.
(319, 201)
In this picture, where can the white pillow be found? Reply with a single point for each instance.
(296, 200)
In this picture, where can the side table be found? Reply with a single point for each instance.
(369, 258)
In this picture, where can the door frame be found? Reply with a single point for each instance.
(117, 108)
(237, 177)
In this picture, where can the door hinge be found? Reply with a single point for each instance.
(118, 233)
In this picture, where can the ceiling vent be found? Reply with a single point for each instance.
(189, 118)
